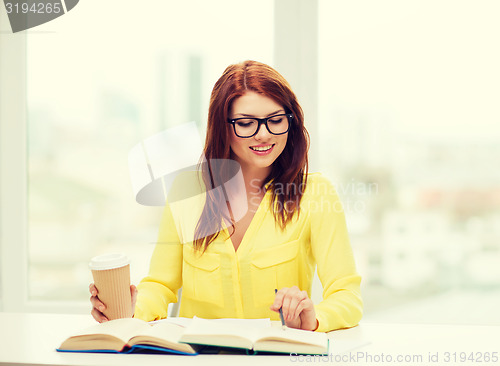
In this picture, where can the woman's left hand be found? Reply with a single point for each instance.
(298, 308)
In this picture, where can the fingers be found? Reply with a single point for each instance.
(278, 300)
(97, 306)
(92, 289)
(98, 316)
(302, 305)
(293, 302)
(133, 293)
(96, 303)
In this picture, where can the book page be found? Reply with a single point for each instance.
(292, 335)
(185, 322)
(206, 331)
(122, 329)
(253, 323)
(167, 331)
(113, 334)
(292, 340)
(165, 335)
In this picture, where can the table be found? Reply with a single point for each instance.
(31, 339)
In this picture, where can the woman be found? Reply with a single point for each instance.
(292, 221)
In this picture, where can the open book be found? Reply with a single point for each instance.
(134, 335)
(128, 335)
(255, 339)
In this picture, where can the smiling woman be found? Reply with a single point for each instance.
(262, 263)
(255, 89)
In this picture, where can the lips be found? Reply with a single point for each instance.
(262, 150)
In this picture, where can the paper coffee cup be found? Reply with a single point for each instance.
(111, 274)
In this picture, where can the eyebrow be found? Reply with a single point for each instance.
(253, 116)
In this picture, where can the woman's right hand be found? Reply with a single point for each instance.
(98, 307)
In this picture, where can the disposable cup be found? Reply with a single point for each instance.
(111, 274)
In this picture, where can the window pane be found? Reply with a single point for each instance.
(100, 79)
(409, 129)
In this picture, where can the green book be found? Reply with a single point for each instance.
(255, 339)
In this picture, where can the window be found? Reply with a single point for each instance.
(408, 122)
(98, 81)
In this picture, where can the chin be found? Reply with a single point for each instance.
(264, 164)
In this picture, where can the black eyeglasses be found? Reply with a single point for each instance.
(248, 126)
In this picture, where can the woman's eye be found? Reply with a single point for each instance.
(244, 123)
(276, 120)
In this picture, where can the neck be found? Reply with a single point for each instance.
(255, 178)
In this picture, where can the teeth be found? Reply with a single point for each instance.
(261, 148)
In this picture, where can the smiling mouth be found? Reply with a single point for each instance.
(261, 148)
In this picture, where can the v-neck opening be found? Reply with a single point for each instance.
(250, 228)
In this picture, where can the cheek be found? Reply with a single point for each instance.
(236, 143)
(282, 142)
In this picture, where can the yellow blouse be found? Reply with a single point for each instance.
(224, 283)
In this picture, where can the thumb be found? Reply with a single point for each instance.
(133, 294)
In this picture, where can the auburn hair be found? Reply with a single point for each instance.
(289, 169)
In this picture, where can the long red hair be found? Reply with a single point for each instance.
(289, 169)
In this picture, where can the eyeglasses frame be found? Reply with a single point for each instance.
(262, 121)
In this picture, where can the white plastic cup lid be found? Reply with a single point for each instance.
(108, 261)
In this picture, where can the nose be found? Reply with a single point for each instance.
(262, 133)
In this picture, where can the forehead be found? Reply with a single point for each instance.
(255, 104)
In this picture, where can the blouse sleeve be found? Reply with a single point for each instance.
(160, 287)
(342, 306)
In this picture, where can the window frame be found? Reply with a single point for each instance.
(13, 198)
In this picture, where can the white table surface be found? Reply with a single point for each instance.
(31, 339)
